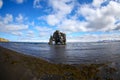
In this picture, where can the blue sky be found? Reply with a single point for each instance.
(81, 20)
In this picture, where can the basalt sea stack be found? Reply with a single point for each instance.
(58, 38)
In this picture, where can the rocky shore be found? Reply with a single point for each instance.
(16, 66)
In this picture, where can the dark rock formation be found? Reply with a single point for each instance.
(58, 38)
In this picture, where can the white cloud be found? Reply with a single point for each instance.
(17, 33)
(32, 23)
(114, 0)
(20, 18)
(112, 9)
(101, 19)
(97, 3)
(53, 20)
(41, 18)
(36, 4)
(61, 8)
(93, 37)
(30, 34)
(20, 1)
(13, 27)
(8, 18)
(40, 28)
(72, 25)
(1, 4)
(7, 25)
(97, 17)
(44, 31)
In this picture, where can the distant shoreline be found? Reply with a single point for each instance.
(16, 66)
(4, 40)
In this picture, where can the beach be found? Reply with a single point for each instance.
(17, 66)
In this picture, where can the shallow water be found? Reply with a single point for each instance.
(72, 53)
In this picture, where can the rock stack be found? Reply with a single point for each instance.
(58, 38)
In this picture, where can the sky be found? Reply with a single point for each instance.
(81, 20)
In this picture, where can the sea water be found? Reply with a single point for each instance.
(72, 53)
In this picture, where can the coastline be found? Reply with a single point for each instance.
(17, 66)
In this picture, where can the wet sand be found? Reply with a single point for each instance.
(16, 66)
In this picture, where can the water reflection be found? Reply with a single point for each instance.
(58, 53)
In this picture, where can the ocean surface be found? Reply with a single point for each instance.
(72, 53)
